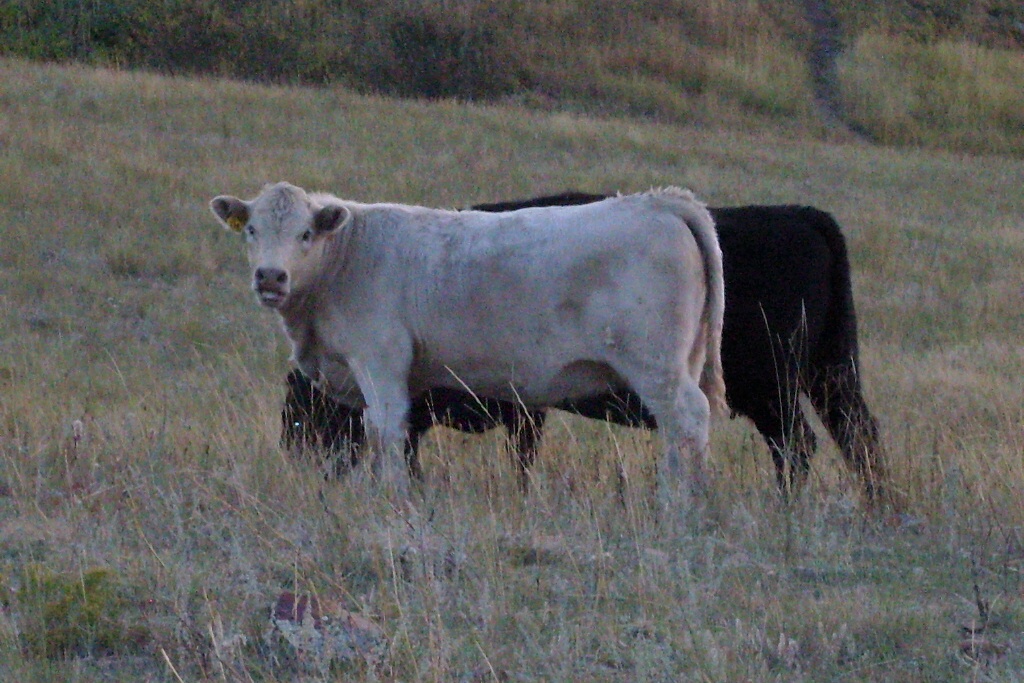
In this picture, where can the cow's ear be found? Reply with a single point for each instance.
(330, 218)
(232, 212)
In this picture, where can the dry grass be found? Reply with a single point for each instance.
(126, 309)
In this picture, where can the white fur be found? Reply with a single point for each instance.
(537, 305)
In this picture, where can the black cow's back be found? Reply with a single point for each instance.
(777, 300)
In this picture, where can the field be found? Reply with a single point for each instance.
(149, 519)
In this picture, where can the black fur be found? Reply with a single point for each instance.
(314, 422)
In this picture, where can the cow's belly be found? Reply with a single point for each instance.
(528, 384)
(577, 380)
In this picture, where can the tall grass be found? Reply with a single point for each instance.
(141, 388)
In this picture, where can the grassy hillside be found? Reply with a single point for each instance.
(942, 74)
(149, 519)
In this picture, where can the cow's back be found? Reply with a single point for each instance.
(779, 264)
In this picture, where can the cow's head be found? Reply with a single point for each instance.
(286, 233)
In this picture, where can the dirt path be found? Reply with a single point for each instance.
(825, 48)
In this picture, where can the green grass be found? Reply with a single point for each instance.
(126, 308)
(947, 94)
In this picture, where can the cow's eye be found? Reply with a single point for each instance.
(307, 236)
(250, 231)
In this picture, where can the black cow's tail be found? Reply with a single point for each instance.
(839, 347)
(835, 386)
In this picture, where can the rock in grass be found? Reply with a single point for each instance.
(320, 632)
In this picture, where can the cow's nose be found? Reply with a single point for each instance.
(272, 276)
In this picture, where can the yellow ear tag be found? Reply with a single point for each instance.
(235, 223)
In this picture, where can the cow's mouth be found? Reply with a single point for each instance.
(271, 298)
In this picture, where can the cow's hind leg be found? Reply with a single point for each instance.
(683, 414)
(412, 453)
(837, 397)
(790, 440)
(524, 427)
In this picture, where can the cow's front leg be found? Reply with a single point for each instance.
(385, 416)
(383, 381)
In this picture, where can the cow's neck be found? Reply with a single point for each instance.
(317, 357)
(296, 318)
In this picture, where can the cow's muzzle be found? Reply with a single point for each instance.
(270, 285)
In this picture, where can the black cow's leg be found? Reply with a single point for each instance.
(344, 453)
(412, 453)
(524, 429)
(838, 399)
(801, 444)
(337, 439)
(790, 440)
